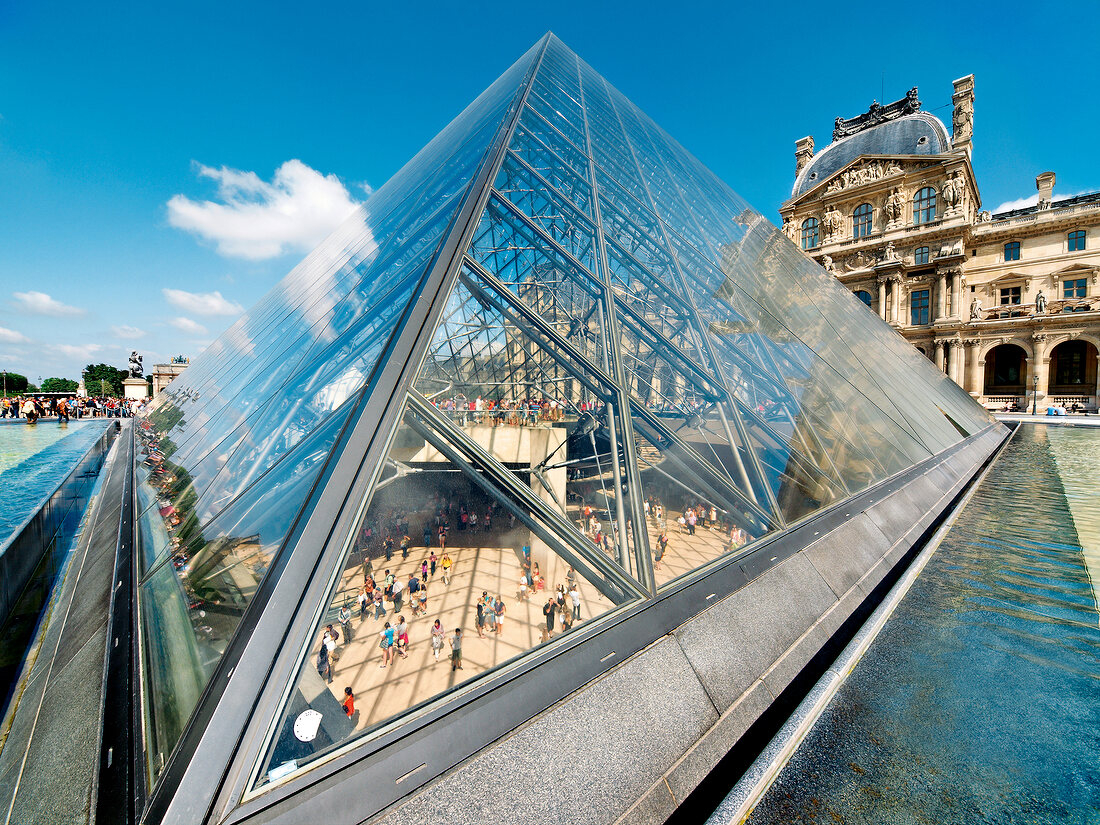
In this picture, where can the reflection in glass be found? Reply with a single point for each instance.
(444, 547)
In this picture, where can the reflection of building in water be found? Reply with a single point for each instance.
(554, 351)
(1006, 304)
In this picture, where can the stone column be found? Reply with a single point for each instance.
(958, 361)
(956, 294)
(1042, 367)
(882, 298)
(977, 368)
(896, 291)
(941, 296)
(939, 355)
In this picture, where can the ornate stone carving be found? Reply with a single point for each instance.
(788, 227)
(1040, 302)
(832, 222)
(985, 216)
(803, 154)
(962, 116)
(877, 114)
(971, 342)
(1039, 337)
(952, 192)
(862, 173)
(860, 260)
(827, 262)
(889, 253)
(976, 309)
(895, 207)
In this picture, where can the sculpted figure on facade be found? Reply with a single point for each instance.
(951, 194)
(832, 221)
(1040, 302)
(976, 309)
(788, 227)
(889, 253)
(962, 120)
(895, 207)
(827, 262)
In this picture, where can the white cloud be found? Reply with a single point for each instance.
(202, 303)
(39, 303)
(256, 219)
(81, 352)
(188, 326)
(128, 333)
(10, 336)
(1023, 203)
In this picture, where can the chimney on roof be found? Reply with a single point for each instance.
(962, 117)
(803, 154)
(1045, 184)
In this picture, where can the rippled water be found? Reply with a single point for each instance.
(980, 700)
(34, 459)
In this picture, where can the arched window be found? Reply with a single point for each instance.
(864, 296)
(924, 205)
(920, 255)
(809, 233)
(1075, 241)
(1012, 251)
(861, 221)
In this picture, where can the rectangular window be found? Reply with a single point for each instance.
(918, 307)
(1074, 288)
(1075, 241)
(1010, 295)
(1012, 251)
(920, 255)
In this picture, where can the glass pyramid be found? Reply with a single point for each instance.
(554, 350)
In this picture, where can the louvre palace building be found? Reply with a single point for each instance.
(1006, 303)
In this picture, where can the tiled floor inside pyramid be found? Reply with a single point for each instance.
(382, 692)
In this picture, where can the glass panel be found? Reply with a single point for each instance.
(500, 375)
(191, 604)
(451, 573)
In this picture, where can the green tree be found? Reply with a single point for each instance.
(59, 385)
(12, 383)
(103, 379)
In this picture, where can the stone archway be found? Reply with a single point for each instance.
(1006, 372)
(1072, 373)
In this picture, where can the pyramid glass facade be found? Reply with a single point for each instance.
(567, 366)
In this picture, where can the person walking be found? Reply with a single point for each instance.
(345, 622)
(498, 613)
(456, 650)
(480, 618)
(386, 644)
(398, 588)
(437, 638)
(432, 559)
(446, 564)
(575, 598)
(349, 702)
(401, 632)
(324, 669)
(550, 611)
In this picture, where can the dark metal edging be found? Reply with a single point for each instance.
(373, 777)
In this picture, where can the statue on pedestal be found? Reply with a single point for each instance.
(136, 370)
(1040, 302)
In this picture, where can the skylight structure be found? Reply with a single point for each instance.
(553, 350)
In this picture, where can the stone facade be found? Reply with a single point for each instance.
(1007, 305)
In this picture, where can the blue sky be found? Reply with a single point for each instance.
(163, 165)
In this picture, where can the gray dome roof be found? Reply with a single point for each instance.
(917, 134)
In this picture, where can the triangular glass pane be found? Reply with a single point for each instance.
(473, 577)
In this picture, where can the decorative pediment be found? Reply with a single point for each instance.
(876, 114)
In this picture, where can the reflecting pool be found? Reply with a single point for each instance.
(34, 459)
(980, 699)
